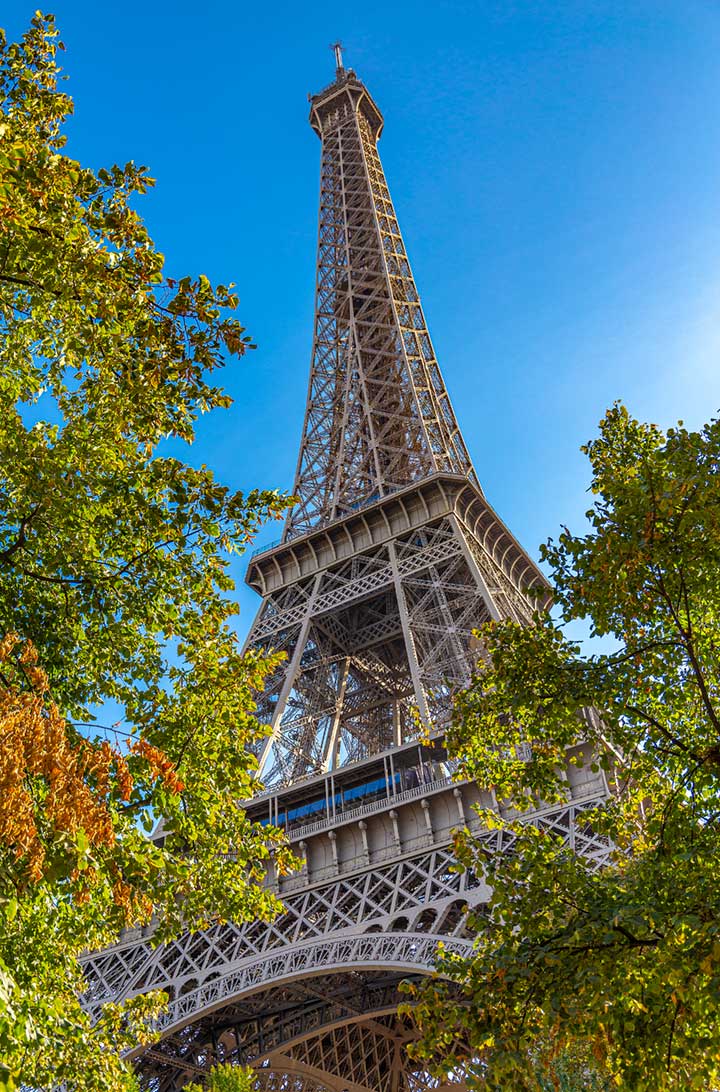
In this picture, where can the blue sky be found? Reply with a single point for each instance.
(556, 172)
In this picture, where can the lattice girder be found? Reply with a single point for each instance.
(379, 633)
(358, 929)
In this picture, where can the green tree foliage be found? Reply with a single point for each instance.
(113, 587)
(226, 1078)
(622, 963)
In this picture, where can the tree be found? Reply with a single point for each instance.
(621, 963)
(113, 587)
(226, 1078)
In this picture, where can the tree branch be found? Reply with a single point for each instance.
(19, 542)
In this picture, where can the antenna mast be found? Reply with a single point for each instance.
(337, 49)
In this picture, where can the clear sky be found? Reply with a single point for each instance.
(555, 167)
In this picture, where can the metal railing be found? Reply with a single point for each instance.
(266, 548)
(373, 806)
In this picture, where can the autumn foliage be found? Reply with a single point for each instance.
(57, 788)
(50, 785)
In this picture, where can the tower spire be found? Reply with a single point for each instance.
(337, 48)
(378, 414)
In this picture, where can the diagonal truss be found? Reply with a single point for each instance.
(375, 613)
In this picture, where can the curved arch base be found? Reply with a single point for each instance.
(327, 1024)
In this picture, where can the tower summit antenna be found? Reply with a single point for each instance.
(337, 49)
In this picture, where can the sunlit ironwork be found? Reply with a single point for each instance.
(389, 560)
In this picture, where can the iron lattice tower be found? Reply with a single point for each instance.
(391, 557)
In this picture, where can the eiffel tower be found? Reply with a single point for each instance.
(389, 560)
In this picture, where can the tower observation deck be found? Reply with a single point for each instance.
(390, 559)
